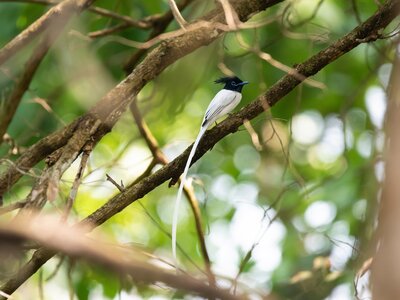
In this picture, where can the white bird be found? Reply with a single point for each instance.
(223, 102)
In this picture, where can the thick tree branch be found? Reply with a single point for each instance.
(48, 231)
(58, 15)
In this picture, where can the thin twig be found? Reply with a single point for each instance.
(77, 181)
(177, 14)
(108, 31)
(11, 207)
(277, 64)
(98, 10)
(161, 25)
(253, 135)
(56, 269)
(230, 15)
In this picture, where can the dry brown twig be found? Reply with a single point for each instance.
(277, 64)
(253, 135)
(177, 14)
(160, 26)
(77, 182)
(156, 22)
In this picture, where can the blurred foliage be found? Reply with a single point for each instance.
(310, 192)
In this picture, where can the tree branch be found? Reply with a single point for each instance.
(59, 14)
(11, 104)
(49, 232)
(143, 24)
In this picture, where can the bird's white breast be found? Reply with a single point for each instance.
(224, 102)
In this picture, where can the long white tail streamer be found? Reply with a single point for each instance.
(180, 190)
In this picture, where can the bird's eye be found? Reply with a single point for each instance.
(234, 83)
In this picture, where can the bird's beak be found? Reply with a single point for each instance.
(243, 83)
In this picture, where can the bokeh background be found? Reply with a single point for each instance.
(290, 212)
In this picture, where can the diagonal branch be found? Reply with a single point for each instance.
(144, 24)
(59, 14)
(48, 231)
(11, 104)
(157, 22)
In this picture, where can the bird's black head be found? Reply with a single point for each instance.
(232, 83)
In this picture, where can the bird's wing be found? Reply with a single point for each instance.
(220, 105)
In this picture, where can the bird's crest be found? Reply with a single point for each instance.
(227, 79)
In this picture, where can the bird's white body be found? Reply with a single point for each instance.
(223, 102)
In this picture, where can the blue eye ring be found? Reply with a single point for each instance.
(234, 83)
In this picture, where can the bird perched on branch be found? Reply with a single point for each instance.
(223, 102)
